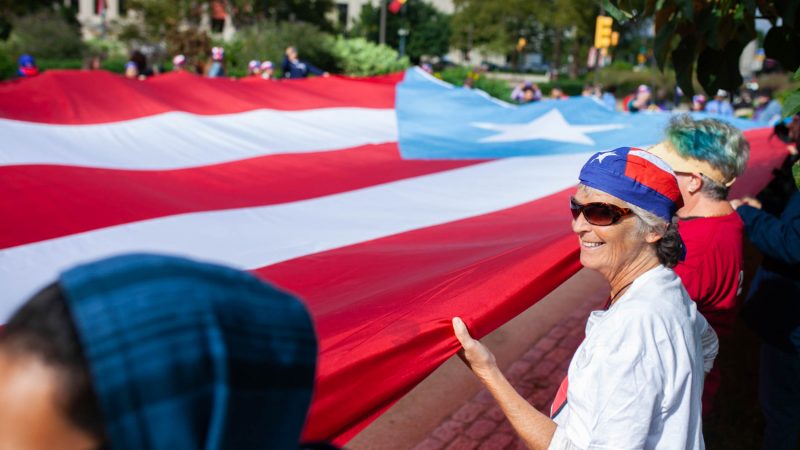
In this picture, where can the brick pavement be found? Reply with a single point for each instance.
(480, 425)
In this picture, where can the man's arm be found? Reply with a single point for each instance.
(778, 238)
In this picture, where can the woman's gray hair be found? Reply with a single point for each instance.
(670, 247)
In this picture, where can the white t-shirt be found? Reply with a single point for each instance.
(636, 380)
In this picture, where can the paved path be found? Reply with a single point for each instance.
(479, 423)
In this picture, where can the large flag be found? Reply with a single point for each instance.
(389, 204)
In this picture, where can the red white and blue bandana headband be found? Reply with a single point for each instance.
(637, 177)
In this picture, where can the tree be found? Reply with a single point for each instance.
(495, 26)
(9, 9)
(713, 34)
(548, 26)
(310, 11)
(429, 28)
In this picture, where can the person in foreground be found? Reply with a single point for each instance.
(146, 352)
(635, 381)
(707, 156)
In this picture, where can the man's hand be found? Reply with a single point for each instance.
(474, 354)
(750, 201)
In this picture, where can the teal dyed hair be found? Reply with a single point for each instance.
(710, 140)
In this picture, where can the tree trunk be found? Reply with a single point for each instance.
(576, 53)
(556, 63)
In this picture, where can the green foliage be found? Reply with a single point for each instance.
(10, 9)
(713, 35)
(44, 34)
(569, 87)
(8, 67)
(791, 104)
(458, 74)
(429, 28)
(359, 57)
(106, 48)
(627, 81)
(475, 23)
(268, 41)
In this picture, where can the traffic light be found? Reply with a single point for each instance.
(521, 43)
(614, 39)
(602, 32)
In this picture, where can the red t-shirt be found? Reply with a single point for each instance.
(712, 272)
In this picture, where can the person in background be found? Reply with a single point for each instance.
(156, 352)
(526, 93)
(772, 310)
(218, 15)
(743, 103)
(94, 63)
(720, 104)
(767, 109)
(641, 100)
(26, 67)
(131, 70)
(699, 103)
(216, 68)
(254, 68)
(636, 380)
(294, 67)
(179, 63)
(707, 156)
(609, 98)
(557, 94)
(267, 70)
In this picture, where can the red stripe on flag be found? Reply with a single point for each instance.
(107, 97)
(383, 308)
(52, 201)
(766, 154)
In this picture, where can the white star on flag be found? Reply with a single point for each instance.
(599, 158)
(551, 126)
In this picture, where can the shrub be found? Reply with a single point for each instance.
(456, 75)
(569, 87)
(627, 81)
(360, 57)
(8, 66)
(45, 34)
(106, 48)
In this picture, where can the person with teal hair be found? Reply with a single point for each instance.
(707, 157)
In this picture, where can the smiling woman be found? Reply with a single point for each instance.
(637, 378)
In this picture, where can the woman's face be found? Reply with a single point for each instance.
(31, 416)
(612, 248)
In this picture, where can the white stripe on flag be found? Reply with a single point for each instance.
(260, 236)
(178, 140)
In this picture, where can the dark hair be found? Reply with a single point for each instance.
(670, 247)
(43, 328)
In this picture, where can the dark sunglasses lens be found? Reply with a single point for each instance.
(574, 208)
(599, 214)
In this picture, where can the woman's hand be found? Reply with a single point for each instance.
(474, 354)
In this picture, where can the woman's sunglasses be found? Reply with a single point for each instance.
(597, 213)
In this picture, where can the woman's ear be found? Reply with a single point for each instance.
(652, 237)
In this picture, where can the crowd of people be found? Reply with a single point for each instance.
(749, 102)
(137, 66)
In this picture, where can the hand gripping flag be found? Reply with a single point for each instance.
(388, 204)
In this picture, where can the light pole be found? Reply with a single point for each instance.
(401, 48)
(382, 31)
